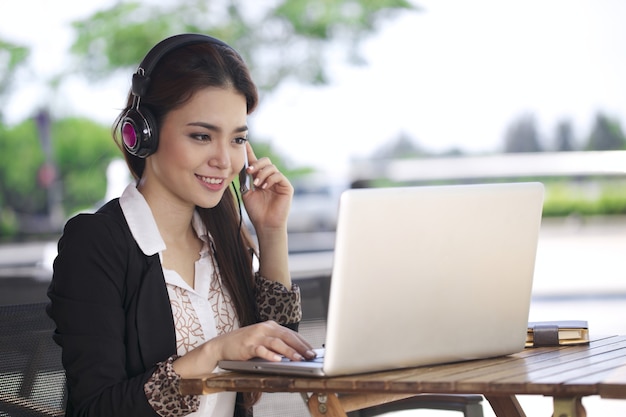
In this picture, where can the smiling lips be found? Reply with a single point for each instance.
(211, 181)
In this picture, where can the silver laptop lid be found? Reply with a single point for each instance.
(425, 275)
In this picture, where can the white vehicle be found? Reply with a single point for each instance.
(315, 205)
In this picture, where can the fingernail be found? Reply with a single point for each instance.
(298, 357)
(256, 182)
(310, 354)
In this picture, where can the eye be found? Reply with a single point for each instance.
(240, 140)
(201, 137)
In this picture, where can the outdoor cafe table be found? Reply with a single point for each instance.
(565, 373)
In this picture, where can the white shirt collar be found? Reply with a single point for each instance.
(142, 225)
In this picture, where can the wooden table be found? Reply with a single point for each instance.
(567, 374)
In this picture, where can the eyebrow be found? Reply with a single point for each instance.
(215, 128)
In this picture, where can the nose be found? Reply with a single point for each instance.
(220, 157)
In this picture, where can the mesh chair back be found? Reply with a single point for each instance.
(32, 380)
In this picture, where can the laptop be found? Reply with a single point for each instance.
(425, 275)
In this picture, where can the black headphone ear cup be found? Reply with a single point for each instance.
(152, 142)
(139, 132)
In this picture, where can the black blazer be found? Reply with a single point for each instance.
(113, 316)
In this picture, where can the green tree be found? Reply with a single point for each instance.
(21, 158)
(606, 134)
(12, 56)
(289, 39)
(522, 135)
(402, 147)
(565, 137)
(82, 150)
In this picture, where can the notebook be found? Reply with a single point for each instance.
(425, 275)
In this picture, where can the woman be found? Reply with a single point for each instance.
(158, 285)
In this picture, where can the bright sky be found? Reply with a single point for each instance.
(455, 75)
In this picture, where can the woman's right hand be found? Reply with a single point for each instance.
(267, 340)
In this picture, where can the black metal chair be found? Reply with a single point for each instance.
(469, 405)
(32, 379)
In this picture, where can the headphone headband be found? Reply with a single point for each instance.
(141, 78)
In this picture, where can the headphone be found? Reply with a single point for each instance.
(138, 127)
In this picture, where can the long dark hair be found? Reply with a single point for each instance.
(177, 76)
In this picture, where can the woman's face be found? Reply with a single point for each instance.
(202, 147)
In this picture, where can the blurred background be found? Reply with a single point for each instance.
(347, 87)
(354, 93)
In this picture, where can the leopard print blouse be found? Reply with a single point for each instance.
(275, 302)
